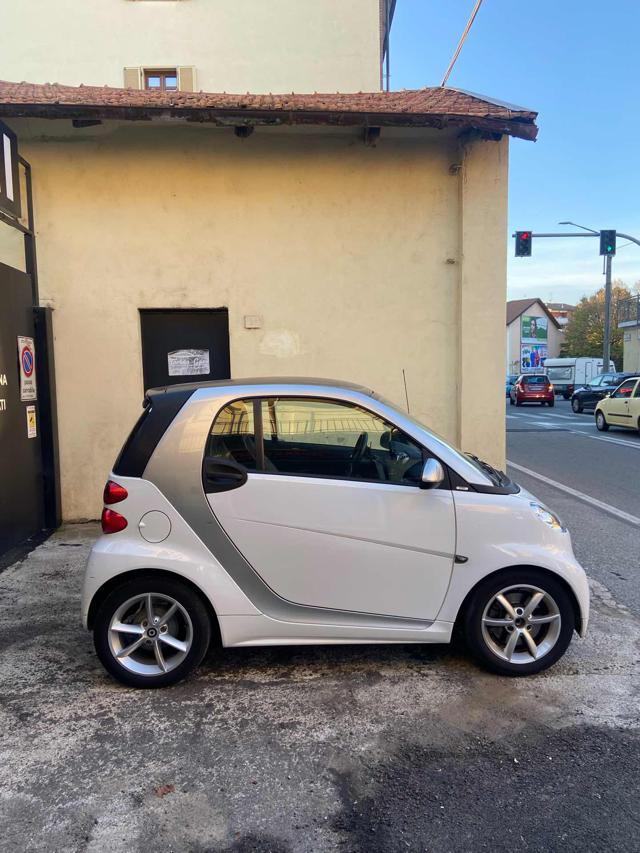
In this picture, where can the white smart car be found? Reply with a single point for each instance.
(289, 511)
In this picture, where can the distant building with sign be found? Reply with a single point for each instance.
(533, 335)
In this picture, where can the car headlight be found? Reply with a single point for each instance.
(547, 516)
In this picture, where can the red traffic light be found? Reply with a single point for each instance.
(523, 244)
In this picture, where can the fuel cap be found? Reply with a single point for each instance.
(154, 526)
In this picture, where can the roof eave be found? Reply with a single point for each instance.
(521, 127)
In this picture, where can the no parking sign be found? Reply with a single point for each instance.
(27, 362)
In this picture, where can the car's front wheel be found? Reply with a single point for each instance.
(151, 631)
(601, 422)
(519, 622)
(576, 405)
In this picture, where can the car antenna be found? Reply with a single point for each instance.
(406, 393)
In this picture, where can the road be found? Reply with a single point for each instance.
(368, 749)
(604, 467)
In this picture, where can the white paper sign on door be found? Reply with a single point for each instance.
(189, 362)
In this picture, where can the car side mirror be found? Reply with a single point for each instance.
(432, 474)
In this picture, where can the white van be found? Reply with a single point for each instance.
(567, 374)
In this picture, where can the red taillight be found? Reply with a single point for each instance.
(112, 521)
(114, 493)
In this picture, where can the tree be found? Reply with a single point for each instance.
(584, 332)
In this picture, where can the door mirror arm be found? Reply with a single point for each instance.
(432, 474)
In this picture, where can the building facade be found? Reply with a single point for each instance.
(198, 45)
(533, 335)
(351, 236)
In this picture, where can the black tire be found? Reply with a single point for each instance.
(511, 402)
(175, 589)
(576, 405)
(601, 422)
(565, 395)
(482, 595)
(518, 403)
(552, 402)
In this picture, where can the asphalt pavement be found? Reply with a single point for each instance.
(595, 487)
(370, 749)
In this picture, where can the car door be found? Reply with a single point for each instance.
(590, 393)
(331, 513)
(634, 407)
(616, 407)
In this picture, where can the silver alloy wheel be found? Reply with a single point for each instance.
(150, 634)
(600, 421)
(521, 624)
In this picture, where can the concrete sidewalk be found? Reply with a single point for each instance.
(308, 749)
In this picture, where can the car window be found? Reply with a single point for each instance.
(325, 438)
(625, 389)
(636, 393)
(595, 382)
(233, 436)
(555, 373)
(536, 380)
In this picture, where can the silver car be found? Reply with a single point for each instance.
(290, 511)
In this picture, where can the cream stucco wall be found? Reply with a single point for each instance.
(235, 45)
(514, 339)
(361, 262)
(631, 352)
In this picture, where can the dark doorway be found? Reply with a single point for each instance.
(184, 345)
(22, 506)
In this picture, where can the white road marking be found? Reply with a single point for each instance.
(635, 445)
(612, 510)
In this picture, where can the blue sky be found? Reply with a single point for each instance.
(577, 64)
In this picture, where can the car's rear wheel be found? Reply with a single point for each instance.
(601, 422)
(518, 403)
(151, 632)
(552, 402)
(576, 405)
(519, 622)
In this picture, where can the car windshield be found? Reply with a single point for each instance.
(498, 478)
(555, 373)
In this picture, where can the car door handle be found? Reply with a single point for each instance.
(222, 475)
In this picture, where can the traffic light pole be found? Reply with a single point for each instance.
(606, 343)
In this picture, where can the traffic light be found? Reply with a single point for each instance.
(523, 244)
(607, 242)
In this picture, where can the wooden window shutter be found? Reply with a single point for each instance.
(187, 78)
(133, 78)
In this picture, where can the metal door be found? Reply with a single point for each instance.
(22, 510)
(184, 345)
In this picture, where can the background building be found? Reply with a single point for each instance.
(353, 236)
(561, 311)
(198, 45)
(533, 335)
(629, 321)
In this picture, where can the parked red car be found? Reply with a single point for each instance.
(532, 389)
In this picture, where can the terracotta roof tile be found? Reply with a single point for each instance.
(421, 107)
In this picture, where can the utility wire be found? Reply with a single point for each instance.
(461, 42)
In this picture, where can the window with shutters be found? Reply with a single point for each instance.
(161, 79)
(179, 79)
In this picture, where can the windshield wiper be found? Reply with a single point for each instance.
(499, 477)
